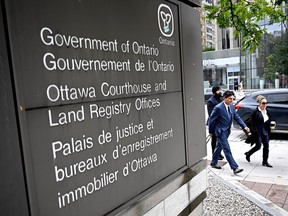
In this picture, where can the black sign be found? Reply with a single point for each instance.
(99, 89)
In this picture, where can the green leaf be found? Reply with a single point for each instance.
(244, 15)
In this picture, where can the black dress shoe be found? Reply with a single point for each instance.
(215, 166)
(237, 170)
(266, 164)
(220, 157)
(247, 156)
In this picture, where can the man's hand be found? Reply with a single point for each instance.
(246, 129)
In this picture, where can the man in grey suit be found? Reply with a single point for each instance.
(220, 122)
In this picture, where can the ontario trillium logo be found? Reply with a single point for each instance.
(165, 20)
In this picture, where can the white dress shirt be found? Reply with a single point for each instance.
(264, 114)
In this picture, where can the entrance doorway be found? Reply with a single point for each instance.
(233, 83)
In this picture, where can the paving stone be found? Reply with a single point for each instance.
(277, 196)
(261, 188)
(248, 184)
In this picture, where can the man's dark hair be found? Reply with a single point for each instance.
(215, 89)
(228, 94)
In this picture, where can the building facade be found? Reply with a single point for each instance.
(229, 65)
(253, 65)
(208, 29)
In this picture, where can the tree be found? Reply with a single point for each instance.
(244, 17)
(277, 60)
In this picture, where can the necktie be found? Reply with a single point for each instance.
(229, 113)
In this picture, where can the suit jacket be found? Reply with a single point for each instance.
(220, 121)
(211, 103)
(258, 124)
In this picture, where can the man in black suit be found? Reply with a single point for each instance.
(211, 103)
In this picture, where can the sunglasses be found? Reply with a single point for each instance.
(264, 103)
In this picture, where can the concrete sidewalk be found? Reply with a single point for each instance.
(266, 187)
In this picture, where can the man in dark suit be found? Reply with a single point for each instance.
(215, 99)
(220, 123)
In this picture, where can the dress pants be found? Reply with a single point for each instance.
(213, 143)
(262, 138)
(222, 143)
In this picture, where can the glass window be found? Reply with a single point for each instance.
(209, 30)
(225, 39)
(277, 98)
